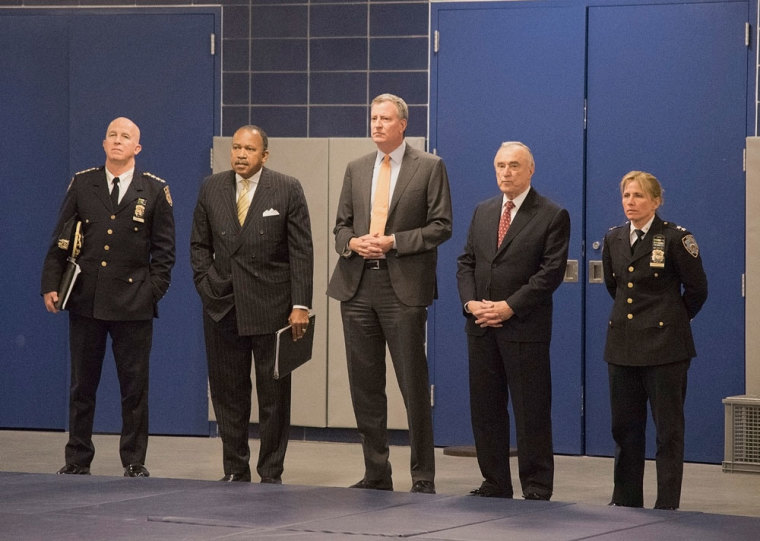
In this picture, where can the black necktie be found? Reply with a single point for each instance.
(639, 234)
(115, 192)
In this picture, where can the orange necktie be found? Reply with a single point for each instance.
(380, 205)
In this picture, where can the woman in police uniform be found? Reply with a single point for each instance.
(653, 271)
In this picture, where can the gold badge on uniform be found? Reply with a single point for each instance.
(690, 243)
(658, 252)
(139, 215)
(168, 196)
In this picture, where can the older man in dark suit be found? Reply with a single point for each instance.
(514, 259)
(253, 265)
(126, 262)
(394, 211)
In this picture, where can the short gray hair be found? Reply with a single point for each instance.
(403, 109)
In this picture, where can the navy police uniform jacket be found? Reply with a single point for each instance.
(127, 252)
(657, 290)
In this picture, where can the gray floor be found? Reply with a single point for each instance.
(583, 480)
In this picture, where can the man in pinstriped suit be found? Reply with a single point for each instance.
(253, 261)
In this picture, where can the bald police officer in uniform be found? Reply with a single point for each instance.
(653, 271)
(126, 262)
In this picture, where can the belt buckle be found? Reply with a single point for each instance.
(373, 264)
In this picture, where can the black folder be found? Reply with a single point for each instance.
(290, 354)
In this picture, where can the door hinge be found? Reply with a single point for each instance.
(585, 113)
(213, 44)
(747, 33)
(436, 41)
(432, 396)
(744, 285)
(744, 160)
(211, 158)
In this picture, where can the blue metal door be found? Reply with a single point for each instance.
(170, 94)
(667, 94)
(507, 72)
(35, 154)
(70, 73)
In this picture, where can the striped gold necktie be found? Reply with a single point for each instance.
(243, 201)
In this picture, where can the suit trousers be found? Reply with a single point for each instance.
(130, 342)
(498, 368)
(229, 374)
(665, 387)
(372, 318)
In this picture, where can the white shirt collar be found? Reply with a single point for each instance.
(645, 229)
(397, 154)
(254, 179)
(518, 201)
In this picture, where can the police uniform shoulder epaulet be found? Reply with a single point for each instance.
(80, 173)
(87, 170)
(671, 225)
(162, 181)
(618, 226)
(154, 177)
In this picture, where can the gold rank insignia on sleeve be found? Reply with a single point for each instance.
(690, 243)
(168, 196)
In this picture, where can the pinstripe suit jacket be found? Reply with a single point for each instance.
(419, 215)
(262, 268)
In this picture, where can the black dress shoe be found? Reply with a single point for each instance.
(136, 470)
(490, 491)
(665, 507)
(423, 487)
(536, 496)
(381, 484)
(236, 477)
(271, 481)
(74, 469)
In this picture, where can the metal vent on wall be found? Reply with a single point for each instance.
(742, 445)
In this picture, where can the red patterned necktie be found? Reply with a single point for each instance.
(505, 221)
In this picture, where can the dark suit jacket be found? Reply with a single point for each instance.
(262, 268)
(126, 263)
(524, 271)
(419, 215)
(650, 319)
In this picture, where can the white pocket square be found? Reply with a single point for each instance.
(270, 212)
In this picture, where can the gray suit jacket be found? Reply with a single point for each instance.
(524, 271)
(419, 215)
(262, 268)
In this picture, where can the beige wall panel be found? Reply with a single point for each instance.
(321, 395)
(339, 410)
(752, 270)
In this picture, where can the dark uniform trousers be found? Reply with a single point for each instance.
(665, 387)
(229, 366)
(371, 318)
(131, 343)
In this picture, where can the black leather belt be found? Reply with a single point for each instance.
(375, 264)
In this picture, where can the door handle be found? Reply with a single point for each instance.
(595, 272)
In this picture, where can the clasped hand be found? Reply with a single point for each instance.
(371, 246)
(490, 313)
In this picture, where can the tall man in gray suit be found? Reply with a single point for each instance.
(514, 259)
(253, 266)
(394, 211)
